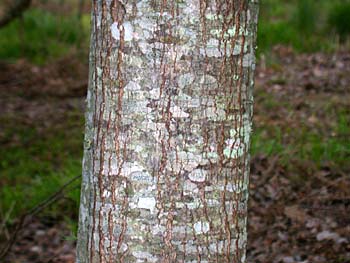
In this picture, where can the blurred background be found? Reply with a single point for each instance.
(300, 170)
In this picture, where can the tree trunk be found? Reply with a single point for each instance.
(168, 123)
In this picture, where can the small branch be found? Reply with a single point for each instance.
(14, 11)
(35, 210)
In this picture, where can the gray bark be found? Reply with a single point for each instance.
(168, 124)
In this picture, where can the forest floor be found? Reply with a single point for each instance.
(300, 170)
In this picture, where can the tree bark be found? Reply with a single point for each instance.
(168, 124)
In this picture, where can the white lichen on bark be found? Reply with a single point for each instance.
(168, 123)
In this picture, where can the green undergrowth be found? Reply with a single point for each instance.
(305, 144)
(37, 165)
(41, 36)
(304, 25)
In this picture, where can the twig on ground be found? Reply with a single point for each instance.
(35, 210)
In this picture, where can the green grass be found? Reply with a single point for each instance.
(324, 142)
(338, 19)
(41, 36)
(304, 25)
(37, 165)
(304, 144)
